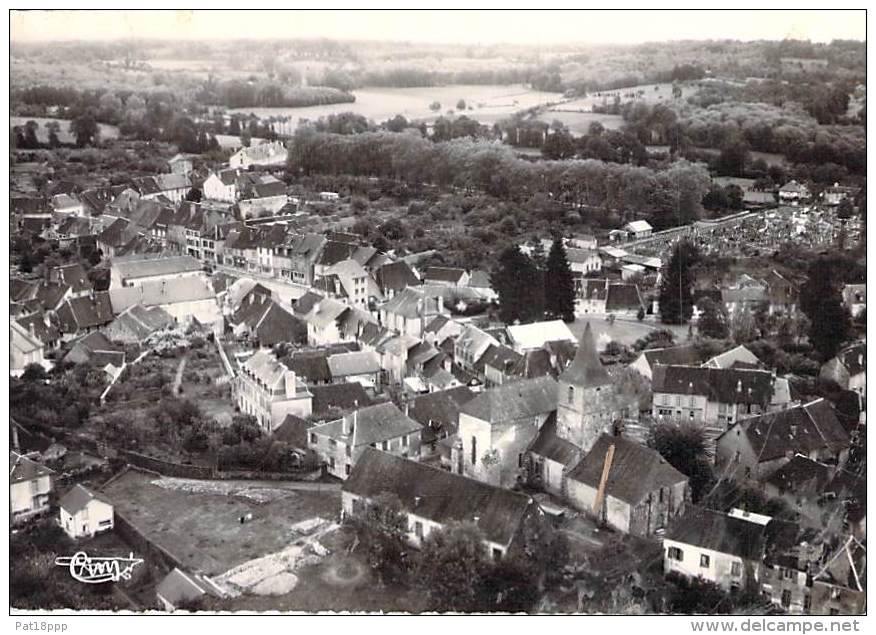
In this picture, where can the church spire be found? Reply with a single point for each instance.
(586, 369)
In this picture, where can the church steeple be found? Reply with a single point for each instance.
(586, 369)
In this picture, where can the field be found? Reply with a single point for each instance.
(64, 135)
(770, 158)
(649, 93)
(487, 104)
(578, 123)
(199, 521)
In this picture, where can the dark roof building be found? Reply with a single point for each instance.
(439, 496)
(717, 531)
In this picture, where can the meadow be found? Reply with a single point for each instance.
(487, 104)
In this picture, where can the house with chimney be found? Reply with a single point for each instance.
(30, 486)
(627, 486)
(409, 311)
(268, 390)
(341, 443)
(433, 498)
(756, 447)
(716, 397)
(188, 300)
(725, 549)
(136, 269)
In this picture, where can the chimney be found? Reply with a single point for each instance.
(290, 383)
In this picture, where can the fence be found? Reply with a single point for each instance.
(168, 468)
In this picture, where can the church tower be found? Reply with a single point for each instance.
(588, 403)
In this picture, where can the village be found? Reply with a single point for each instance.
(272, 385)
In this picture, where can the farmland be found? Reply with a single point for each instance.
(578, 123)
(486, 104)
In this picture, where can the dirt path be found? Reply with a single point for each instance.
(177, 380)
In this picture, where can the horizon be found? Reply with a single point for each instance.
(447, 28)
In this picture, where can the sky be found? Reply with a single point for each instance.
(464, 27)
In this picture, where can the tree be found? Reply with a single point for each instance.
(453, 562)
(713, 320)
(845, 209)
(435, 106)
(517, 281)
(194, 195)
(559, 294)
(54, 128)
(30, 135)
(676, 287)
(460, 105)
(382, 527)
(33, 372)
(683, 445)
(245, 138)
(821, 301)
(85, 129)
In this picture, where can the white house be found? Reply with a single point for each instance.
(24, 349)
(30, 485)
(638, 229)
(711, 545)
(269, 391)
(793, 192)
(221, 186)
(268, 153)
(82, 514)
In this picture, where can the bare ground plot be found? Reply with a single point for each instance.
(199, 521)
(340, 582)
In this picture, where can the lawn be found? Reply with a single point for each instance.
(578, 123)
(623, 331)
(199, 521)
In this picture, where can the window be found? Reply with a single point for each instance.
(675, 553)
(418, 529)
(704, 561)
(474, 450)
(349, 450)
(347, 469)
(332, 462)
(497, 553)
(661, 494)
(786, 598)
(384, 445)
(519, 460)
(677, 400)
(313, 439)
(736, 569)
(405, 441)
(787, 573)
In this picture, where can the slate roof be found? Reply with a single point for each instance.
(325, 311)
(161, 292)
(803, 429)
(78, 499)
(141, 265)
(335, 251)
(311, 366)
(23, 469)
(438, 412)
(722, 385)
(305, 303)
(143, 322)
(444, 274)
(396, 276)
(438, 495)
(357, 363)
(293, 431)
(502, 358)
(551, 446)
(409, 304)
(84, 312)
(799, 474)
(638, 226)
(45, 333)
(267, 369)
(720, 532)
(586, 369)
(635, 469)
(675, 355)
(343, 396)
(374, 424)
(72, 275)
(507, 402)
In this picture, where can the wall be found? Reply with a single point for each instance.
(506, 441)
(589, 412)
(720, 566)
(26, 500)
